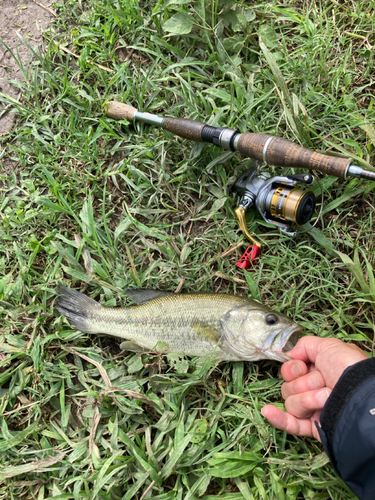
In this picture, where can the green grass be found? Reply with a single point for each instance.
(102, 206)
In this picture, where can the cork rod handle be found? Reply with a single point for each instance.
(188, 129)
(273, 150)
(119, 111)
(283, 153)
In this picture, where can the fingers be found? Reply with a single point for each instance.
(303, 405)
(304, 391)
(309, 382)
(293, 369)
(330, 356)
(289, 423)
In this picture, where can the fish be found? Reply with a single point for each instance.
(227, 327)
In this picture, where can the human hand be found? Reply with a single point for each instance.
(310, 376)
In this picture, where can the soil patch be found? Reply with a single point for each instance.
(29, 19)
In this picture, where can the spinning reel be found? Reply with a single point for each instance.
(277, 199)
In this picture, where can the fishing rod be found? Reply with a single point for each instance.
(263, 147)
(278, 199)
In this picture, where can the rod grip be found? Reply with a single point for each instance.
(119, 110)
(188, 129)
(283, 153)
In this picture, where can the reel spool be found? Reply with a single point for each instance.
(291, 204)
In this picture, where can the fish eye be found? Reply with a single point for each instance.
(271, 319)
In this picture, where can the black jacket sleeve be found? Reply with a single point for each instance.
(348, 428)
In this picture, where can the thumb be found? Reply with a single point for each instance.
(307, 348)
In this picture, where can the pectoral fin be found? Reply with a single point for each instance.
(143, 295)
(207, 332)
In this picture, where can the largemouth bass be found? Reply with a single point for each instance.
(226, 326)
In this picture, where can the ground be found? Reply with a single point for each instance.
(102, 206)
(29, 20)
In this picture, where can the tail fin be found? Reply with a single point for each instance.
(76, 307)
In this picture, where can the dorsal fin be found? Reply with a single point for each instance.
(143, 295)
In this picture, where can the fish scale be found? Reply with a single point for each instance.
(226, 326)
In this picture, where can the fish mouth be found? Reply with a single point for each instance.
(283, 340)
(290, 337)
